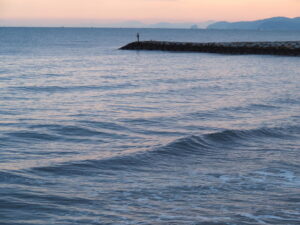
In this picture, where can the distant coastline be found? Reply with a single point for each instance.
(270, 24)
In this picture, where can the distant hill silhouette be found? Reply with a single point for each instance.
(275, 23)
(183, 25)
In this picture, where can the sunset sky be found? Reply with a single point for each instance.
(147, 11)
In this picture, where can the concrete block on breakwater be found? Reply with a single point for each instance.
(291, 48)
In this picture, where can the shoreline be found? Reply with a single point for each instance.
(289, 48)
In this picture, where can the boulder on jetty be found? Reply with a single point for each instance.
(291, 48)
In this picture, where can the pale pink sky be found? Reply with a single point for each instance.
(148, 10)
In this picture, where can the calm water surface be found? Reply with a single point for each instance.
(93, 135)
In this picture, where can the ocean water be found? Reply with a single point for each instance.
(90, 134)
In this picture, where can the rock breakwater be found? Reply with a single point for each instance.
(291, 48)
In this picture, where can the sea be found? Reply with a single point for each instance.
(90, 134)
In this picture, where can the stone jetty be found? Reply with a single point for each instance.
(291, 48)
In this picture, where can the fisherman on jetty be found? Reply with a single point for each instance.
(138, 37)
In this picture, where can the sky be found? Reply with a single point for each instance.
(64, 12)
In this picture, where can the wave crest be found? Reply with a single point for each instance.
(191, 146)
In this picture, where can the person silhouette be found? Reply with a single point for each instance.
(138, 37)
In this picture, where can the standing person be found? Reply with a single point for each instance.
(138, 37)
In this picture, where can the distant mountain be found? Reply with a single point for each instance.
(187, 25)
(275, 23)
(169, 25)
